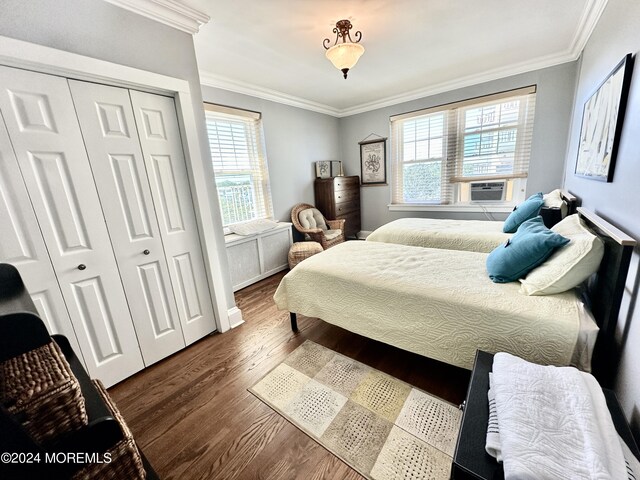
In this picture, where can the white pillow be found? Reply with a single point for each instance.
(252, 227)
(569, 265)
(554, 200)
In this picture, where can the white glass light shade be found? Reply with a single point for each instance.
(345, 55)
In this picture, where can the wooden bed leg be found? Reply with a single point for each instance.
(294, 322)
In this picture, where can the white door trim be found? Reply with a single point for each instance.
(39, 58)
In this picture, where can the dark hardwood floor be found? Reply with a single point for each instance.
(194, 418)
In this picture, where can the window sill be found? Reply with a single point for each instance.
(462, 208)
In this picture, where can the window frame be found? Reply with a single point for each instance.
(453, 191)
(257, 165)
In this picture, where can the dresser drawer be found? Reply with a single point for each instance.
(342, 196)
(344, 208)
(345, 183)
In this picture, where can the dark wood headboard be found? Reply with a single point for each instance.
(553, 215)
(571, 200)
(605, 290)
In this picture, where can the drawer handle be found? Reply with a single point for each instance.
(146, 252)
(82, 266)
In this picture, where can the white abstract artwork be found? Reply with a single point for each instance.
(601, 125)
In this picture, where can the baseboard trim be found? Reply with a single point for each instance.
(235, 317)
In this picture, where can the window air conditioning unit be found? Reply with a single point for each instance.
(487, 191)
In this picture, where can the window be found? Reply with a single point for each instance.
(437, 153)
(239, 163)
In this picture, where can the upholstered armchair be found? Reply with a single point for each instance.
(309, 220)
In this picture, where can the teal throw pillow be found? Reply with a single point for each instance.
(529, 247)
(528, 209)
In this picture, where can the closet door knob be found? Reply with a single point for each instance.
(146, 252)
(82, 266)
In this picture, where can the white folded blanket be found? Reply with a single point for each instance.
(553, 423)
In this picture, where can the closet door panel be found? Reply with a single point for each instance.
(21, 245)
(110, 135)
(164, 158)
(42, 124)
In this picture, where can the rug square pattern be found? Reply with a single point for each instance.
(431, 420)
(281, 385)
(382, 427)
(357, 435)
(342, 374)
(309, 358)
(405, 457)
(382, 394)
(314, 407)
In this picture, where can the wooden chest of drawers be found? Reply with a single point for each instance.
(339, 197)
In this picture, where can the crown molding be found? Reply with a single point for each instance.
(253, 90)
(588, 21)
(169, 12)
(468, 81)
(218, 81)
(590, 16)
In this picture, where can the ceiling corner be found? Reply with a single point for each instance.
(169, 12)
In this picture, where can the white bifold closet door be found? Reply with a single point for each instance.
(159, 133)
(25, 251)
(45, 135)
(110, 135)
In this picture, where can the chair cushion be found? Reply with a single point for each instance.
(331, 234)
(253, 226)
(312, 218)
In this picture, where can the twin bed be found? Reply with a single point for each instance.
(440, 303)
(469, 235)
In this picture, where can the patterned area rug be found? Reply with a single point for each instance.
(380, 426)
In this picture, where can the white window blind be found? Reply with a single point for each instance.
(239, 163)
(435, 151)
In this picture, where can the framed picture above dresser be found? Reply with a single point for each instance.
(339, 197)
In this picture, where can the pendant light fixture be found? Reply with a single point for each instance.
(344, 55)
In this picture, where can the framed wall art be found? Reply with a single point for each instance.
(373, 161)
(323, 169)
(602, 120)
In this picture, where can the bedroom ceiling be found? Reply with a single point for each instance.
(273, 49)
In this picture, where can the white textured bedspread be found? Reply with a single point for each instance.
(469, 235)
(436, 303)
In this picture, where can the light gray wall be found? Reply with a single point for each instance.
(555, 86)
(295, 139)
(97, 29)
(615, 35)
